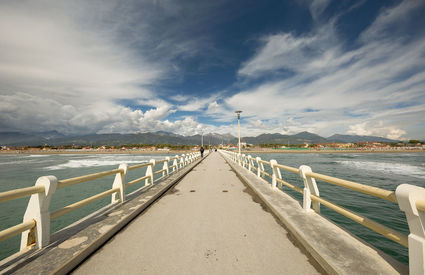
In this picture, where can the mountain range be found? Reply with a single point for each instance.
(55, 138)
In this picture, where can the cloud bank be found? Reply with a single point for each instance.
(376, 88)
(99, 67)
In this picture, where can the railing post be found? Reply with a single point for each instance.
(38, 209)
(182, 161)
(175, 164)
(407, 196)
(310, 187)
(119, 182)
(149, 172)
(249, 163)
(276, 173)
(165, 166)
(260, 167)
(243, 160)
(239, 158)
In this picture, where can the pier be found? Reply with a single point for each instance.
(209, 215)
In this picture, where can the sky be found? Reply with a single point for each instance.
(82, 67)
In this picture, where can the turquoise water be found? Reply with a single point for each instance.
(381, 170)
(385, 171)
(18, 171)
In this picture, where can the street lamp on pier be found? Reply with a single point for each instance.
(202, 138)
(238, 113)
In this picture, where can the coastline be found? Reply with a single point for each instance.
(330, 151)
(92, 152)
(175, 152)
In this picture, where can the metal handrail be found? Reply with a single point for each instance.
(293, 187)
(28, 191)
(72, 207)
(159, 171)
(76, 180)
(288, 168)
(374, 191)
(137, 180)
(17, 229)
(264, 161)
(377, 227)
(139, 165)
(265, 173)
(362, 188)
(21, 193)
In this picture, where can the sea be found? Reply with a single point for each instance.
(383, 170)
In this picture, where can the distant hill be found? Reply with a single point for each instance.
(54, 138)
(300, 138)
(354, 138)
(35, 139)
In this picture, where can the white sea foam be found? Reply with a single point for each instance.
(105, 160)
(387, 168)
(88, 163)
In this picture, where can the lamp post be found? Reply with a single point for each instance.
(202, 138)
(238, 113)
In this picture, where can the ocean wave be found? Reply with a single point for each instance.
(386, 167)
(89, 163)
(105, 160)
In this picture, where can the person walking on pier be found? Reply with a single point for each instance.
(202, 151)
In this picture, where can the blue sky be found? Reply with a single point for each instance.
(348, 67)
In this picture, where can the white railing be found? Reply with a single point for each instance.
(410, 198)
(35, 228)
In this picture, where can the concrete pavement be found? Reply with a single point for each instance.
(207, 224)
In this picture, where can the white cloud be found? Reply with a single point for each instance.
(331, 88)
(67, 65)
(376, 129)
(192, 104)
(213, 107)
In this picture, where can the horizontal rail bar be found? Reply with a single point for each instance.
(160, 161)
(288, 168)
(421, 205)
(379, 228)
(17, 229)
(159, 171)
(255, 168)
(139, 165)
(72, 207)
(137, 180)
(264, 161)
(20, 193)
(293, 187)
(76, 180)
(265, 173)
(370, 190)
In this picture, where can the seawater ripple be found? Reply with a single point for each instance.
(386, 167)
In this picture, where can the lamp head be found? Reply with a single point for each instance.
(238, 114)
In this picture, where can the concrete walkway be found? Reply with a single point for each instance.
(208, 224)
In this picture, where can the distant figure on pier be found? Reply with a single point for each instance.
(202, 151)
